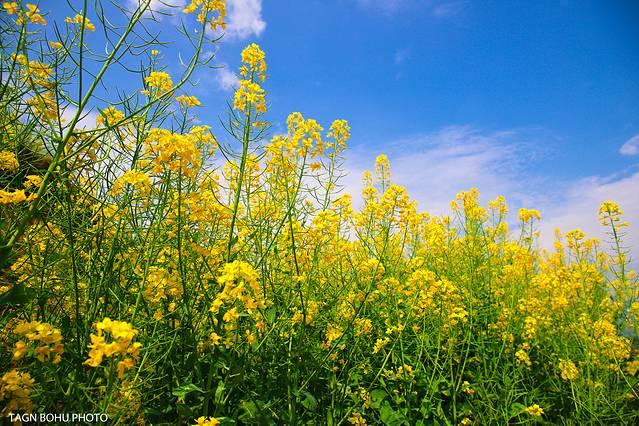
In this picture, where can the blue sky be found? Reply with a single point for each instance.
(538, 101)
(533, 100)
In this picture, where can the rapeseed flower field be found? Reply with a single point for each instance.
(161, 272)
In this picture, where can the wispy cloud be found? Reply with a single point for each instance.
(401, 55)
(435, 167)
(448, 9)
(87, 119)
(387, 6)
(162, 6)
(437, 8)
(244, 19)
(577, 203)
(226, 79)
(631, 147)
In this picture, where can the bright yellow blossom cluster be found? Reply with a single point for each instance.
(249, 93)
(253, 59)
(206, 421)
(109, 116)
(526, 215)
(188, 101)
(32, 182)
(535, 410)
(610, 214)
(15, 392)
(240, 294)
(161, 285)
(120, 344)
(46, 339)
(205, 8)
(80, 19)
(8, 161)
(15, 197)
(179, 153)
(11, 8)
(31, 14)
(159, 81)
(139, 180)
(568, 369)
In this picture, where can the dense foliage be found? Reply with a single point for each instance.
(164, 272)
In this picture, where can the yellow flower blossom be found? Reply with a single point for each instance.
(47, 340)
(139, 180)
(534, 410)
(11, 7)
(79, 19)
(160, 81)
(120, 344)
(15, 392)
(206, 421)
(8, 161)
(357, 419)
(568, 369)
(188, 101)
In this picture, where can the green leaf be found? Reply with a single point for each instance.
(516, 409)
(182, 391)
(377, 396)
(391, 417)
(309, 402)
(219, 393)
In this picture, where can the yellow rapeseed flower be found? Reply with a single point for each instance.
(15, 392)
(8, 161)
(11, 7)
(534, 410)
(78, 19)
(160, 81)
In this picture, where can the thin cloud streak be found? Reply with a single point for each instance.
(435, 167)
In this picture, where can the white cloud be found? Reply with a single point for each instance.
(448, 9)
(226, 79)
(401, 55)
(631, 147)
(86, 120)
(577, 206)
(244, 18)
(435, 167)
(158, 5)
(437, 8)
(388, 6)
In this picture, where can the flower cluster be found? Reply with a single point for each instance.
(159, 81)
(535, 410)
(114, 339)
(139, 180)
(178, 153)
(188, 101)
(31, 15)
(42, 340)
(240, 294)
(8, 161)
(208, 8)
(253, 59)
(250, 94)
(15, 197)
(15, 392)
(109, 116)
(81, 20)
